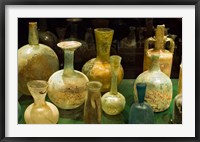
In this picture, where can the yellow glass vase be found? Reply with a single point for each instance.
(99, 69)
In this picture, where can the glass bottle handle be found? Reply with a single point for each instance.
(171, 44)
(146, 45)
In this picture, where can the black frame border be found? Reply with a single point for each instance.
(3, 3)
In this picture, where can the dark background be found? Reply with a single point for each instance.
(121, 30)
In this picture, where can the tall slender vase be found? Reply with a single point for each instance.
(159, 86)
(99, 69)
(40, 112)
(67, 87)
(35, 61)
(92, 109)
(141, 112)
(166, 56)
(113, 102)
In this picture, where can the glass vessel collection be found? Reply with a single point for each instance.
(95, 87)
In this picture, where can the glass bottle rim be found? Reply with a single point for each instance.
(37, 84)
(94, 85)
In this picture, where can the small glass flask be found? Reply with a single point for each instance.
(141, 112)
(92, 109)
(113, 102)
(40, 112)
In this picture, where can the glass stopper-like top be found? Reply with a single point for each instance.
(70, 45)
(141, 90)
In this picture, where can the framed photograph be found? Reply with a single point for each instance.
(113, 44)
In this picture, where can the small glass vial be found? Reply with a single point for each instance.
(92, 109)
(141, 112)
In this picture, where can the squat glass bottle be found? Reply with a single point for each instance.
(40, 112)
(159, 86)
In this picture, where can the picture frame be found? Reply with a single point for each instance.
(3, 72)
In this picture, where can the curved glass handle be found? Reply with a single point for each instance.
(171, 44)
(146, 45)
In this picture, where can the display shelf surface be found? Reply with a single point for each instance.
(75, 116)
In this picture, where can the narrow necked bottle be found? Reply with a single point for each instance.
(141, 112)
(35, 61)
(99, 69)
(159, 86)
(67, 87)
(166, 56)
(113, 102)
(92, 109)
(40, 112)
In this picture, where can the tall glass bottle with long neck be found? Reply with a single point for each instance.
(92, 109)
(113, 102)
(99, 69)
(67, 87)
(35, 61)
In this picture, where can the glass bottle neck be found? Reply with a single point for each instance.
(39, 101)
(103, 37)
(68, 62)
(155, 65)
(114, 71)
(33, 38)
(160, 37)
